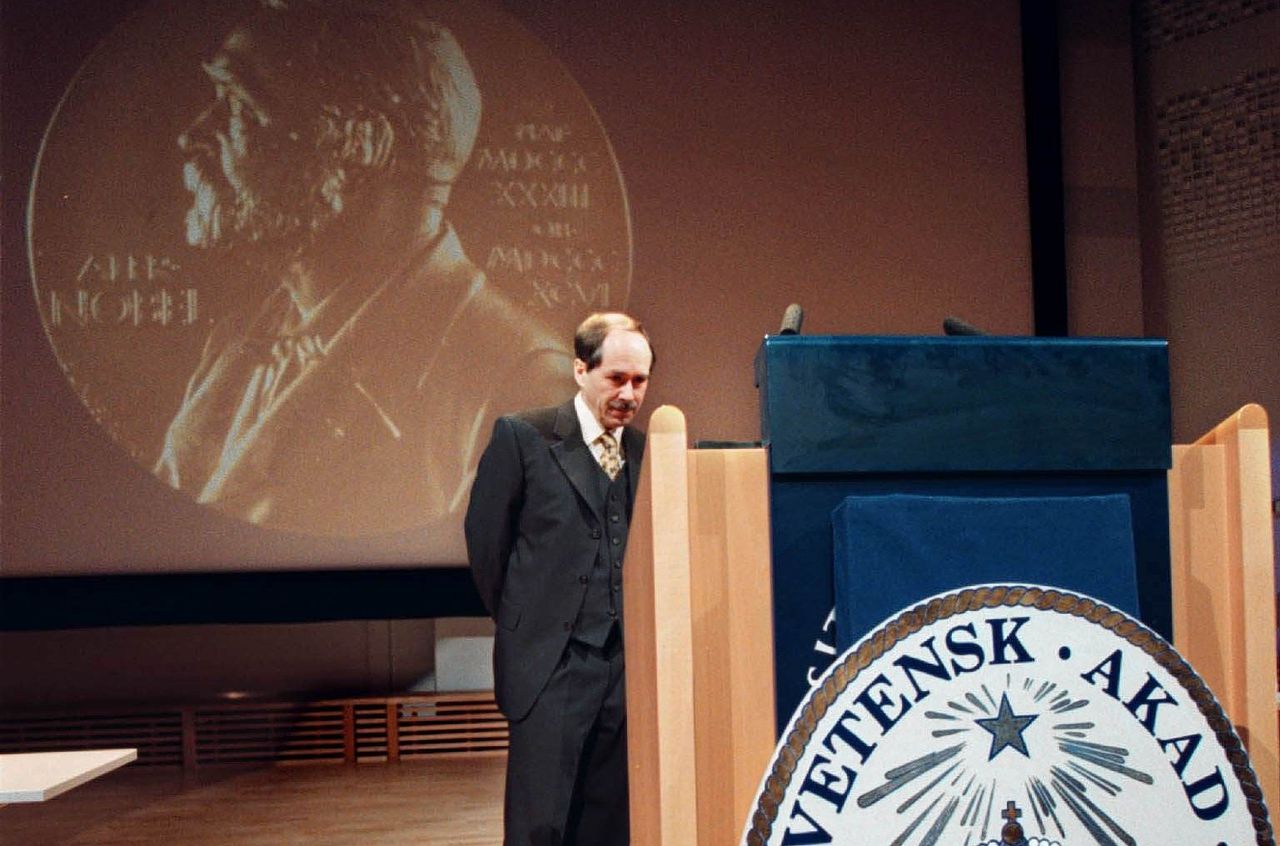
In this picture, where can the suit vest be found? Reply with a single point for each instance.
(602, 607)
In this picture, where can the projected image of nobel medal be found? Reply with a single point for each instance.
(295, 258)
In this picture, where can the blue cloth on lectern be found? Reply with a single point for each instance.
(893, 551)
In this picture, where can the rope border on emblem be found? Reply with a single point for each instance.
(971, 599)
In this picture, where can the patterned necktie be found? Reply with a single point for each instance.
(610, 459)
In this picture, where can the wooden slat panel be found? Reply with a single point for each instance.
(1205, 579)
(156, 735)
(325, 731)
(656, 595)
(749, 582)
(733, 637)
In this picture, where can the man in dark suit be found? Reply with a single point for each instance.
(546, 531)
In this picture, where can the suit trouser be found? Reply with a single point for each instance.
(567, 765)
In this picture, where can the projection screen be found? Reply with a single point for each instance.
(272, 269)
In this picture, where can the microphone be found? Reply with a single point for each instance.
(956, 326)
(791, 320)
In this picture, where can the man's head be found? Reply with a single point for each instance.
(314, 102)
(612, 360)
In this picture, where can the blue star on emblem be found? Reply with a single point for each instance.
(1006, 729)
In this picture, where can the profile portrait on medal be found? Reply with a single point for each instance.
(325, 157)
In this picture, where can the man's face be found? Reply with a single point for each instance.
(247, 172)
(614, 389)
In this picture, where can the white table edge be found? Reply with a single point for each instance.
(122, 757)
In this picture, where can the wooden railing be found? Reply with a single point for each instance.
(294, 731)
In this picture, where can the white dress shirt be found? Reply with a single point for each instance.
(591, 429)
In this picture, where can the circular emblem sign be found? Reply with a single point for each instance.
(1010, 715)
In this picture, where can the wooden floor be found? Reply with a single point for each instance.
(455, 801)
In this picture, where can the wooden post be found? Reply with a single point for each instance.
(733, 635)
(699, 640)
(1223, 576)
(393, 730)
(658, 642)
(349, 732)
(190, 750)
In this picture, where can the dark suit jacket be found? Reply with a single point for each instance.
(533, 530)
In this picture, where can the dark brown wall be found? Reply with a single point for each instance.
(863, 159)
(1209, 119)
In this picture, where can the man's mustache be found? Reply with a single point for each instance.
(623, 405)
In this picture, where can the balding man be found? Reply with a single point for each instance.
(546, 533)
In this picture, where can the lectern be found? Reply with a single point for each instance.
(951, 416)
(729, 588)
